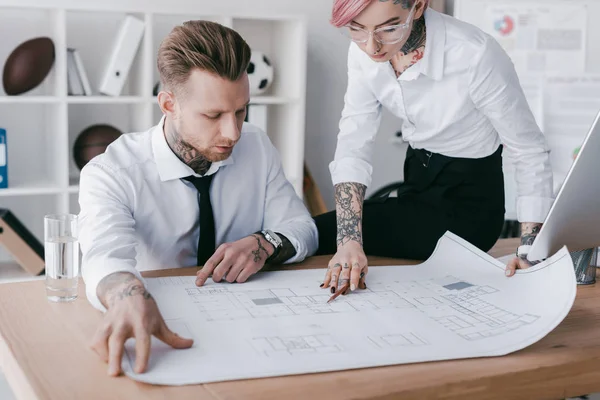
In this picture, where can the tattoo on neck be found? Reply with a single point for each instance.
(186, 152)
(349, 199)
(404, 62)
(256, 253)
(417, 37)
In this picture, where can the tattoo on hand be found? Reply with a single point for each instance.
(349, 199)
(130, 291)
(112, 282)
(256, 252)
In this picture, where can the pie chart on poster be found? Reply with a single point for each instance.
(505, 26)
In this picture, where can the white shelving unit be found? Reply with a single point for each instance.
(42, 124)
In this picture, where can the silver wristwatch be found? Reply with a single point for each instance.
(274, 239)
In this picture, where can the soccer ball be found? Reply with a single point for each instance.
(260, 73)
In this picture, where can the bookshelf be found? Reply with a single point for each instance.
(42, 124)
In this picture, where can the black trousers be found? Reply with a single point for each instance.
(439, 194)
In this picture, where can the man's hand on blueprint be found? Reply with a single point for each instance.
(132, 313)
(237, 261)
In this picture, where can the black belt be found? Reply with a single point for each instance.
(426, 156)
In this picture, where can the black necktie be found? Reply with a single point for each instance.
(206, 241)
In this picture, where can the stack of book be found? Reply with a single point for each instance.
(77, 80)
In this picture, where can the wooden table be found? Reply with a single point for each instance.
(45, 355)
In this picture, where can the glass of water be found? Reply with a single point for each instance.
(61, 253)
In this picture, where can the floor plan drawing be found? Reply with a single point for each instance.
(451, 302)
(457, 304)
(398, 340)
(291, 345)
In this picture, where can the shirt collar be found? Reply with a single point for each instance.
(435, 48)
(169, 166)
(432, 63)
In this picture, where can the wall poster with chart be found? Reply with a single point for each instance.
(540, 37)
(550, 43)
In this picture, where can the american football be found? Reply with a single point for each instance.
(28, 65)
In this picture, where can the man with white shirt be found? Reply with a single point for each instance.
(200, 188)
(461, 105)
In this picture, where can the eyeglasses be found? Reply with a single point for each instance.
(385, 35)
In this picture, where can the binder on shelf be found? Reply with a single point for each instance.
(124, 49)
(87, 89)
(21, 243)
(74, 84)
(3, 160)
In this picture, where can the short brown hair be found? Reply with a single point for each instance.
(206, 45)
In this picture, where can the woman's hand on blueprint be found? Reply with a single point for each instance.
(237, 261)
(348, 265)
(132, 313)
(529, 231)
(516, 263)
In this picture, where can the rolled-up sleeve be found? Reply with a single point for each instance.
(106, 227)
(361, 117)
(496, 91)
(285, 212)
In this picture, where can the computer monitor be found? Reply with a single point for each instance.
(574, 219)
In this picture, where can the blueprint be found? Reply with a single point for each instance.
(457, 304)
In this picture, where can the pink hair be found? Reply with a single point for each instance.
(345, 11)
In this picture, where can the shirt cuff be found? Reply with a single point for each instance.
(533, 209)
(304, 248)
(351, 170)
(93, 274)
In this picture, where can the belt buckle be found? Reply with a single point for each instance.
(428, 154)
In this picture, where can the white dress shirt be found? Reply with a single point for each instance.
(462, 99)
(138, 214)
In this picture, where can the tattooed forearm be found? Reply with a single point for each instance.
(256, 253)
(118, 286)
(287, 251)
(186, 152)
(529, 231)
(349, 199)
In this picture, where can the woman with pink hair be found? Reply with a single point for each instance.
(461, 103)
